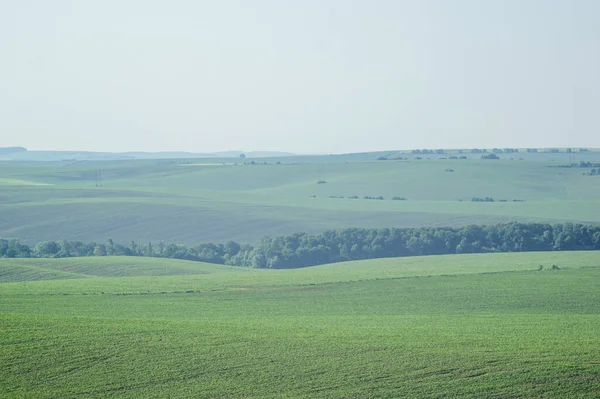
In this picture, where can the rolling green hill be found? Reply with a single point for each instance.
(192, 201)
(470, 326)
(51, 269)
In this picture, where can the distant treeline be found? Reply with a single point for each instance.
(367, 197)
(495, 151)
(581, 164)
(300, 249)
(490, 199)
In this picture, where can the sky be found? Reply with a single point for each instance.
(305, 76)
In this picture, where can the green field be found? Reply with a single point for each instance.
(218, 200)
(472, 326)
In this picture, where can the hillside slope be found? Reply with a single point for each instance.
(468, 326)
(216, 201)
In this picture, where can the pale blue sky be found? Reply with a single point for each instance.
(304, 76)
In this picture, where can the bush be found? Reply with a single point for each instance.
(398, 199)
(490, 156)
(321, 182)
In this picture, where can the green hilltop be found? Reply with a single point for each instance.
(488, 325)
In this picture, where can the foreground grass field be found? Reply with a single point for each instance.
(208, 200)
(469, 326)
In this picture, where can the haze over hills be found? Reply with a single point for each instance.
(22, 154)
(299, 199)
(189, 201)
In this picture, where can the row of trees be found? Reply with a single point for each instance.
(426, 152)
(490, 199)
(207, 252)
(556, 150)
(486, 151)
(300, 249)
(490, 156)
(494, 151)
(472, 151)
(581, 164)
(367, 197)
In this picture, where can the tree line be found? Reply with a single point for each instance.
(581, 164)
(301, 249)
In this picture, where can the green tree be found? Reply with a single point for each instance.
(99, 250)
(149, 251)
(110, 249)
(47, 249)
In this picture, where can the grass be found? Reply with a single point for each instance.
(49, 269)
(429, 327)
(153, 200)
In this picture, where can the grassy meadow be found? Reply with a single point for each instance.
(503, 325)
(192, 201)
(471, 326)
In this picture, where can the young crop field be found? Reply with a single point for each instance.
(178, 201)
(491, 325)
(300, 199)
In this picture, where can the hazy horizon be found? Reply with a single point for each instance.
(296, 153)
(307, 77)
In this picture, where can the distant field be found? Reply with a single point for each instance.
(179, 201)
(472, 326)
(50, 269)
